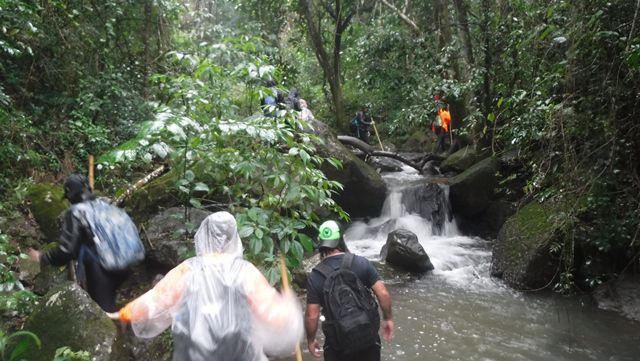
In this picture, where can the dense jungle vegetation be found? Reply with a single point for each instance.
(554, 83)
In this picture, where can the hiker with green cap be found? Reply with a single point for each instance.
(340, 288)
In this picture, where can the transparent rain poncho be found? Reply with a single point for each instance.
(220, 306)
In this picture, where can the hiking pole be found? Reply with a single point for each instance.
(377, 136)
(91, 171)
(285, 287)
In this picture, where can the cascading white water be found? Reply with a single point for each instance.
(454, 256)
(459, 312)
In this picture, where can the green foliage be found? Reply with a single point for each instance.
(16, 343)
(229, 156)
(66, 354)
(15, 300)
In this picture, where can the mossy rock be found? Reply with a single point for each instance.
(521, 253)
(419, 141)
(46, 205)
(68, 317)
(159, 348)
(462, 159)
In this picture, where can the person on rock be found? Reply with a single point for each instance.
(76, 242)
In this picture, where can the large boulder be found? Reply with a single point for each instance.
(165, 233)
(462, 159)
(364, 190)
(68, 317)
(403, 250)
(522, 252)
(471, 191)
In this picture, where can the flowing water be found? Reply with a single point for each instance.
(459, 312)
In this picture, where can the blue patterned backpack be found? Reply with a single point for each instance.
(115, 236)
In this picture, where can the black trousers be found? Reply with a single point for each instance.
(102, 284)
(370, 354)
(442, 136)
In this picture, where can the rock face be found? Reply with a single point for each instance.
(364, 190)
(166, 243)
(68, 317)
(521, 253)
(472, 190)
(622, 295)
(403, 250)
(487, 223)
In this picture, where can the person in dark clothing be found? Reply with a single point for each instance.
(361, 123)
(332, 251)
(99, 283)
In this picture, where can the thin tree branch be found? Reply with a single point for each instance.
(403, 17)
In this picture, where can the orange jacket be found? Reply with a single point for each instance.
(445, 117)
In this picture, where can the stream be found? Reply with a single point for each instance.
(459, 312)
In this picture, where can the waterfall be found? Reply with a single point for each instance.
(422, 207)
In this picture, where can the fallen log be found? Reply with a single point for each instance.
(139, 184)
(367, 149)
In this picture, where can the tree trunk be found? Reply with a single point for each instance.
(443, 24)
(488, 59)
(330, 64)
(146, 37)
(465, 36)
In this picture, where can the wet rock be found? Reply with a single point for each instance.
(430, 168)
(384, 164)
(521, 253)
(166, 244)
(364, 190)
(472, 190)
(403, 250)
(68, 317)
(621, 295)
(429, 201)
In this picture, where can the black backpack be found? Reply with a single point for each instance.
(352, 319)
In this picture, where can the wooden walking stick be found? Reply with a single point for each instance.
(91, 171)
(377, 136)
(285, 287)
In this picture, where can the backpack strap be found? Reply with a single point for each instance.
(324, 270)
(347, 261)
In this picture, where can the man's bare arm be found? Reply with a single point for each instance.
(384, 299)
(311, 317)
